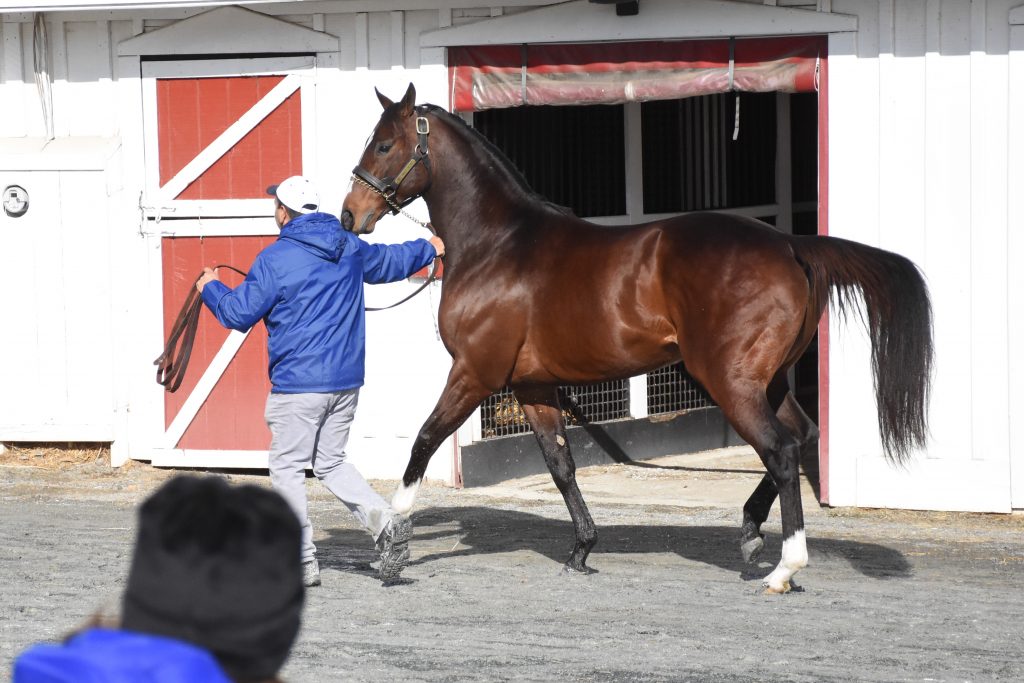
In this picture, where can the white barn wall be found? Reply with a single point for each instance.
(922, 158)
(923, 173)
(990, 229)
(1015, 255)
(56, 347)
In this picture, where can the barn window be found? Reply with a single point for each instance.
(573, 156)
(691, 162)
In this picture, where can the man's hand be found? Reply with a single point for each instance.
(438, 245)
(209, 275)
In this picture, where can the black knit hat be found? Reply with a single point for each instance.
(218, 566)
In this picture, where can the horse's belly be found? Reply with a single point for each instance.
(587, 359)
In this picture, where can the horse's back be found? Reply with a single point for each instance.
(692, 255)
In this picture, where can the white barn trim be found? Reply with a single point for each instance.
(582, 21)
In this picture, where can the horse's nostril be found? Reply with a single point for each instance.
(347, 219)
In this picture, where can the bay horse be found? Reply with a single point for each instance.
(736, 300)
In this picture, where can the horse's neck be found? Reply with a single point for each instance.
(467, 200)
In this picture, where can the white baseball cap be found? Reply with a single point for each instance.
(297, 193)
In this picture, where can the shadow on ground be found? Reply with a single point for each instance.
(482, 531)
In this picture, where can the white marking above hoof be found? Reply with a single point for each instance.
(404, 497)
(794, 558)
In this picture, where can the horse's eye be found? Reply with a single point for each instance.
(384, 148)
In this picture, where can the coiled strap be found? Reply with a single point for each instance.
(172, 363)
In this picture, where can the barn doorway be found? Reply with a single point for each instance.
(624, 133)
(754, 154)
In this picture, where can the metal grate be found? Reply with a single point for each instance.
(671, 389)
(501, 414)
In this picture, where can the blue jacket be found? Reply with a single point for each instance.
(106, 656)
(308, 289)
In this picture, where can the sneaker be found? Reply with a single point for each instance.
(311, 573)
(393, 546)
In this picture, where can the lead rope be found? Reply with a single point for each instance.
(431, 277)
(171, 364)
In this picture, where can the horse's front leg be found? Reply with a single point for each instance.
(542, 409)
(460, 397)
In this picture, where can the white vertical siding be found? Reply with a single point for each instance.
(56, 373)
(1015, 257)
(940, 78)
(12, 116)
(943, 114)
(88, 80)
(989, 139)
(29, 340)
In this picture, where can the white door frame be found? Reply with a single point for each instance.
(223, 217)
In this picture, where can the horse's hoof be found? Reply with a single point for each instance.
(787, 587)
(769, 589)
(752, 549)
(582, 570)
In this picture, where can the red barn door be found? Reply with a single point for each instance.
(218, 133)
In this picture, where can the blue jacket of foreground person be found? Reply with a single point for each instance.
(108, 656)
(308, 287)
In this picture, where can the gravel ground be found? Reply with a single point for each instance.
(889, 596)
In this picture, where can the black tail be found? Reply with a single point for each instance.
(899, 322)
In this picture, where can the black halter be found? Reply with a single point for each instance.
(388, 187)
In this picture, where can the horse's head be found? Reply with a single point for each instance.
(394, 168)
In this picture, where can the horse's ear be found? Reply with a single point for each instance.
(384, 101)
(409, 101)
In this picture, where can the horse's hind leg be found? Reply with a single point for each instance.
(753, 417)
(755, 512)
(756, 509)
(545, 415)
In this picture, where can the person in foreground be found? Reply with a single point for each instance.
(214, 595)
(308, 288)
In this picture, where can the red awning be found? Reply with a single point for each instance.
(497, 76)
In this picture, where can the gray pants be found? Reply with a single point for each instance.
(313, 428)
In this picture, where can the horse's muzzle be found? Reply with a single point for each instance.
(368, 223)
(348, 221)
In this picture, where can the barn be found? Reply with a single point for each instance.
(137, 137)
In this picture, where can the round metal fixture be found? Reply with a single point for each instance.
(15, 200)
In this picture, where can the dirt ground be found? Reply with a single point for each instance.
(888, 596)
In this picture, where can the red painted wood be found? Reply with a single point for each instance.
(424, 273)
(486, 76)
(193, 112)
(823, 366)
(232, 417)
